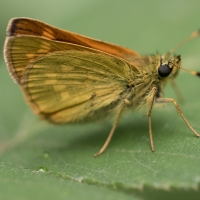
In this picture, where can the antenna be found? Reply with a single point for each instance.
(191, 37)
(195, 73)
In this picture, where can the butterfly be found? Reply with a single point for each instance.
(70, 78)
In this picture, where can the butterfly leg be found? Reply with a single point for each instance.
(170, 100)
(177, 91)
(152, 96)
(111, 132)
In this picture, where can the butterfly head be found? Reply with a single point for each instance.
(169, 67)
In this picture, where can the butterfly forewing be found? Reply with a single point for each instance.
(31, 27)
(74, 86)
(20, 50)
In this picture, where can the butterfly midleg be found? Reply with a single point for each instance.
(153, 94)
(170, 100)
(112, 130)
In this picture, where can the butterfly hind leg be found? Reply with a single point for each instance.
(112, 130)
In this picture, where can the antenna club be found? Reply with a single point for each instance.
(195, 34)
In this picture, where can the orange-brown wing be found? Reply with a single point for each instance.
(26, 26)
(19, 51)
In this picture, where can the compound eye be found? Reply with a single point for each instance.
(164, 70)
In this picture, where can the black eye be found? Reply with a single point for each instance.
(164, 70)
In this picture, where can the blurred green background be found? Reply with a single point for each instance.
(128, 169)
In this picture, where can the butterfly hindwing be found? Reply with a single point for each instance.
(74, 86)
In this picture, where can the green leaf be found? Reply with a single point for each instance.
(39, 160)
(24, 182)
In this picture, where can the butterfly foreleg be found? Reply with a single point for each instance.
(170, 100)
